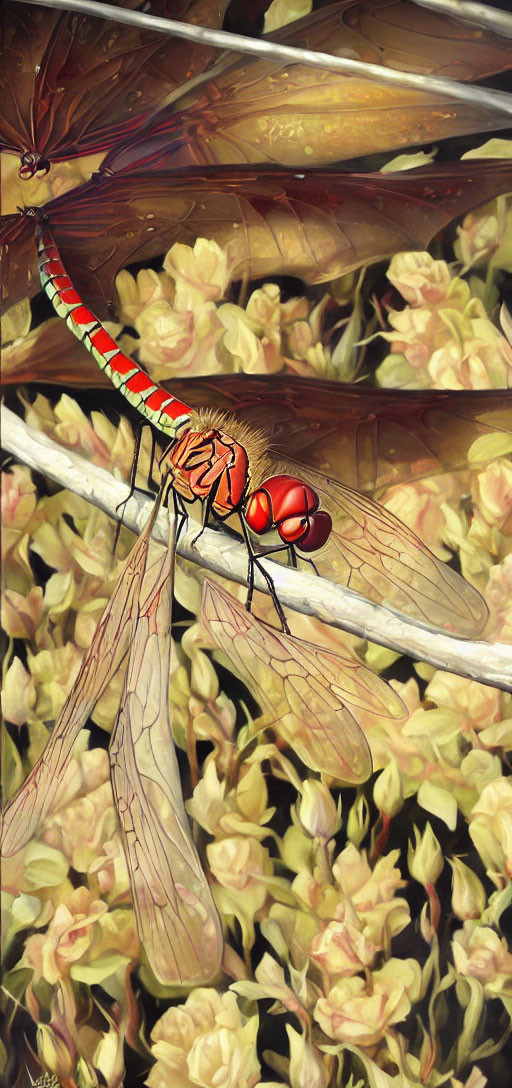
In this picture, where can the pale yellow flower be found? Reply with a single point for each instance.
(240, 864)
(419, 278)
(201, 273)
(225, 812)
(175, 343)
(354, 1012)
(499, 598)
(478, 952)
(69, 938)
(79, 828)
(483, 361)
(206, 1041)
(494, 493)
(18, 498)
(137, 292)
(342, 949)
(475, 705)
(21, 615)
(490, 828)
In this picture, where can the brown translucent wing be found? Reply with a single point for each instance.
(368, 439)
(257, 111)
(176, 917)
(373, 553)
(314, 225)
(72, 84)
(35, 798)
(311, 695)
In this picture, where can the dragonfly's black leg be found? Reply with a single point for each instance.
(133, 476)
(179, 512)
(254, 562)
(207, 512)
(292, 552)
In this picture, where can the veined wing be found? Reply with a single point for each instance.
(259, 110)
(316, 225)
(309, 692)
(374, 553)
(36, 796)
(176, 916)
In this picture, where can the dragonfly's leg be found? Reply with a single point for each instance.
(133, 476)
(207, 511)
(254, 562)
(180, 513)
(292, 552)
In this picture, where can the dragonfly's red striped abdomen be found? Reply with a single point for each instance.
(210, 463)
(290, 506)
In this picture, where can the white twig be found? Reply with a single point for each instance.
(331, 603)
(500, 22)
(272, 51)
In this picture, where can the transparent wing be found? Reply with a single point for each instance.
(306, 690)
(375, 554)
(176, 917)
(36, 797)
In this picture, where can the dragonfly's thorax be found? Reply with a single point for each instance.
(210, 464)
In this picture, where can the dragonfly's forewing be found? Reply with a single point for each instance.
(73, 84)
(375, 554)
(176, 917)
(316, 225)
(308, 692)
(35, 798)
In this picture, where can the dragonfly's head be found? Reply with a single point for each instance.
(32, 163)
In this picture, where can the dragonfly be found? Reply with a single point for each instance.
(177, 921)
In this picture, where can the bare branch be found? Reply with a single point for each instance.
(500, 22)
(331, 603)
(270, 50)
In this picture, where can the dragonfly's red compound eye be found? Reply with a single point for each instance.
(290, 506)
(319, 529)
(259, 512)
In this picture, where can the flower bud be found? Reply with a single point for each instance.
(358, 820)
(425, 859)
(306, 1066)
(388, 792)
(468, 894)
(318, 814)
(53, 1052)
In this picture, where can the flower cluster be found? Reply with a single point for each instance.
(443, 338)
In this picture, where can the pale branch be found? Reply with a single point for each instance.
(500, 22)
(276, 51)
(217, 552)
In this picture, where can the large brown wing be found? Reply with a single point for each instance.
(314, 225)
(373, 553)
(311, 695)
(368, 439)
(176, 917)
(265, 111)
(72, 84)
(37, 795)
